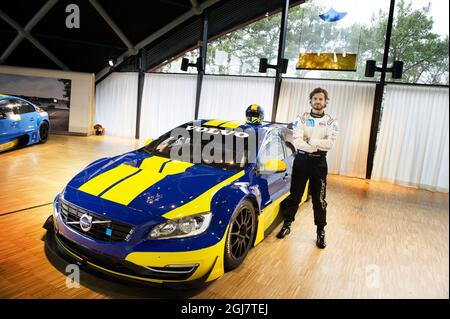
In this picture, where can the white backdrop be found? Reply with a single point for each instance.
(116, 103)
(413, 142)
(168, 100)
(351, 104)
(227, 97)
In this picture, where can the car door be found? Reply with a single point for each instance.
(272, 185)
(28, 115)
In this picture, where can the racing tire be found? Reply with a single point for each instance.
(43, 132)
(240, 235)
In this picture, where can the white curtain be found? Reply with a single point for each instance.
(351, 103)
(168, 100)
(116, 103)
(227, 97)
(412, 145)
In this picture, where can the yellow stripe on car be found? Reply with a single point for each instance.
(100, 183)
(231, 124)
(203, 202)
(152, 172)
(214, 122)
(8, 145)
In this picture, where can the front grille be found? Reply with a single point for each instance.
(128, 268)
(113, 231)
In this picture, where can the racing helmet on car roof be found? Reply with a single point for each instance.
(254, 114)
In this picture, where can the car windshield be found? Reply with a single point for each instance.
(217, 147)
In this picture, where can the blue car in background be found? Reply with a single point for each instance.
(21, 123)
(148, 216)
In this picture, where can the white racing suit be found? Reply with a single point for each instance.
(314, 136)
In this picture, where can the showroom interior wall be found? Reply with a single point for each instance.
(351, 103)
(81, 95)
(116, 102)
(227, 97)
(168, 100)
(413, 141)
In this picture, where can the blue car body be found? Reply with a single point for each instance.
(21, 123)
(129, 195)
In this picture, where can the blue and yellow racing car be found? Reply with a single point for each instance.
(184, 208)
(21, 123)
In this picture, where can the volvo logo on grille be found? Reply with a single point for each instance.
(86, 222)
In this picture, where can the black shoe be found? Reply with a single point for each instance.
(284, 231)
(321, 239)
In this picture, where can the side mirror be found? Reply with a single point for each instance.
(148, 141)
(274, 166)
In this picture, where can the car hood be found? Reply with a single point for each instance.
(137, 186)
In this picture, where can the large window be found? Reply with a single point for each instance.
(338, 29)
(238, 52)
(420, 40)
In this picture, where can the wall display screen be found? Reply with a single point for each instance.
(50, 94)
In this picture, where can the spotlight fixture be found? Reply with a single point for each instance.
(396, 69)
(263, 65)
(185, 64)
(111, 62)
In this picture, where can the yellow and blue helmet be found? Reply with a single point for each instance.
(254, 114)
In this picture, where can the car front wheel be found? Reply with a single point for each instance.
(240, 235)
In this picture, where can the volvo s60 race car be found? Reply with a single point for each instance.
(150, 216)
(21, 123)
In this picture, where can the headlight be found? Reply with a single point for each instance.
(182, 227)
(57, 201)
(56, 205)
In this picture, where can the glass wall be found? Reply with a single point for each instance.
(238, 52)
(337, 29)
(420, 40)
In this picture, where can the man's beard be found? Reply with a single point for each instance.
(318, 107)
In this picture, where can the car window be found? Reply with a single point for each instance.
(272, 150)
(8, 106)
(26, 107)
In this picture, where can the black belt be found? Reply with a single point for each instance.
(315, 154)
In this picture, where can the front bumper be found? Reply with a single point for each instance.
(166, 268)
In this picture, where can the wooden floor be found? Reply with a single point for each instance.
(384, 241)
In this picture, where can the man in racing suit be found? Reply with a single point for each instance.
(314, 134)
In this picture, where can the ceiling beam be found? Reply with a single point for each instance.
(178, 21)
(196, 7)
(24, 33)
(113, 26)
(176, 4)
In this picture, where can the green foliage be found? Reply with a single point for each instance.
(424, 53)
